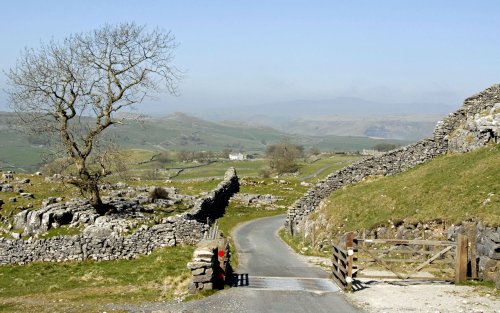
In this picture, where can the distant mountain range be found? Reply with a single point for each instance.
(343, 116)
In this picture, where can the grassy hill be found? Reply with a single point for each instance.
(174, 132)
(453, 188)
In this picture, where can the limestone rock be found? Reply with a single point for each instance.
(8, 176)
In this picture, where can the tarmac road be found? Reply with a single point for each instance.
(278, 279)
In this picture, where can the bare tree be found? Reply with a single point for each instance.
(283, 156)
(74, 88)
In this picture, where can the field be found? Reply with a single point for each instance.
(161, 276)
(175, 132)
(87, 286)
(417, 195)
(452, 188)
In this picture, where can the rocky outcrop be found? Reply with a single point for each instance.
(477, 130)
(54, 215)
(256, 200)
(102, 238)
(474, 124)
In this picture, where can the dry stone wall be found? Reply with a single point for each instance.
(213, 205)
(210, 266)
(100, 243)
(102, 246)
(475, 124)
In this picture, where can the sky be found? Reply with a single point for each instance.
(236, 53)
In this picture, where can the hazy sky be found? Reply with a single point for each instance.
(253, 52)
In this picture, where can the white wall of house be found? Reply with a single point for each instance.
(237, 156)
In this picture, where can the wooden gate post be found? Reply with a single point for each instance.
(473, 250)
(461, 260)
(349, 246)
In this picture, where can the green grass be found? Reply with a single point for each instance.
(453, 188)
(85, 286)
(484, 287)
(300, 246)
(174, 133)
(351, 143)
(41, 191)
(64, 230)
(217, 169)
(237, 213)
(327, 164)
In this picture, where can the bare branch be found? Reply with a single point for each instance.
(74, 87)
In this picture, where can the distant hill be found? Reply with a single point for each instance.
(177, 131)
(343, 116)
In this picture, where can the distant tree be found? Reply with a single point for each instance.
(384, 147)
(314, 151)
(163, 157)
(210, 155)
(283, 156)
(200, 156)
(95, 74)
(225, 153)
(185, 156)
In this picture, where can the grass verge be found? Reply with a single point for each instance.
(88, 286)
(452, 188)
(299, 246)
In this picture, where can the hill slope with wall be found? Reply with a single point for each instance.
(475, 124)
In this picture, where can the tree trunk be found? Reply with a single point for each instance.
(90, 188)
(95, 199)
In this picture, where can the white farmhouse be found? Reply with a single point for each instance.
(237, 156)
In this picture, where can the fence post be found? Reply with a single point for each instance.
(349, 246)
(461, 259)
(473, 250)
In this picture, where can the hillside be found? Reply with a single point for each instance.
(452, 188)
(343, 116)
(177, 131)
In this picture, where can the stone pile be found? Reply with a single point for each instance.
(202, 267)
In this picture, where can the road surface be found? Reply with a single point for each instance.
(278, 279)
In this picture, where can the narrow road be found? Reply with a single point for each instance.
(278, 279)
(316, 173)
